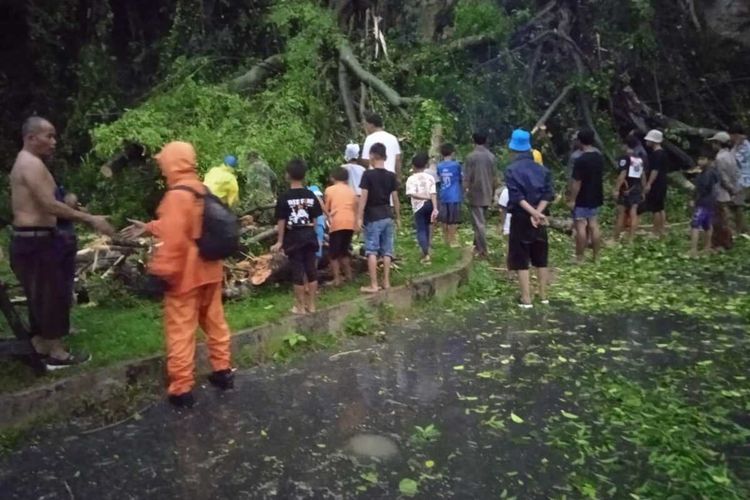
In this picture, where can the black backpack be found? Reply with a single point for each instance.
(220, 237)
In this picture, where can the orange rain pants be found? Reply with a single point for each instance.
(183, 314)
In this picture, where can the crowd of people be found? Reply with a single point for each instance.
(363, 197)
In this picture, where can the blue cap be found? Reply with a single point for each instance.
(520, 141)
(230, 161)
(316, 190)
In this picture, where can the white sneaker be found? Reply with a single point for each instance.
(525, 306)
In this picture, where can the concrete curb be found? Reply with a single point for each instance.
(64, 396)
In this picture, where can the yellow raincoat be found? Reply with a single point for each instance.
(222, 182)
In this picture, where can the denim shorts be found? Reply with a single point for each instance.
(585, 213)
(379, 238)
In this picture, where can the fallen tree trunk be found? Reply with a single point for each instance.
(257, 75)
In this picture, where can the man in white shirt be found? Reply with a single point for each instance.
(376, 134)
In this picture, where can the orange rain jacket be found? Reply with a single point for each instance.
(179, 224)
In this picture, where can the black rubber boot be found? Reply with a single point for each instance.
(185, 400)
(223, 379)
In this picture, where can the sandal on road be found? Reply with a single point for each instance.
(368, 289)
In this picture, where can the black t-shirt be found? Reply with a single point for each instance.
(299, 208)
(589, 169)
(379, 183)
(634, 169)
(658, 161)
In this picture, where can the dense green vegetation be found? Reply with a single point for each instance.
(121, 78)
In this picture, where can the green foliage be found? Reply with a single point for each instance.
(424, 435)
(291, 118)
(480, 17)
(361, 323)
(408, 487)
(290, 344)
(419, 126)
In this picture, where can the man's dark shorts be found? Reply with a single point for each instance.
(655, 201)
(449, 213)
(36, 260)
(526, 243)
(629, 198)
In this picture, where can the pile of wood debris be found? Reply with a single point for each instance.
(114, 258)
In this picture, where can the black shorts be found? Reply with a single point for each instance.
(450, 213)
(629, 198)
(526, 243)
(339, 243)
(655, 200)
(38, 263)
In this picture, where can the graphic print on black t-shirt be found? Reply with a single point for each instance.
(299, 207)
(634, 167)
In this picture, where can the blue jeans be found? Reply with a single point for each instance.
(379, 238)
(422, 222)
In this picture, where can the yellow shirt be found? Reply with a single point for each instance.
(222, 182)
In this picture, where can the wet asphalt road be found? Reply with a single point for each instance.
(343, 425)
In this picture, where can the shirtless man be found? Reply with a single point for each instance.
(35, 256)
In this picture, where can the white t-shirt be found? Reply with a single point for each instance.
(422, 184)
(392, 148)
(355, 176)
(503, 202)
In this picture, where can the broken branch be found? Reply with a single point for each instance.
(552, 107)
(258, 74)
(346, 55)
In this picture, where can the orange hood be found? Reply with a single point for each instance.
(177, 162)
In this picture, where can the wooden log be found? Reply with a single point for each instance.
(263, 235)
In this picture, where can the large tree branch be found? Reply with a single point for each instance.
(553, 107)
(346, 98)
(346, 55)
(639, 107)
(258, 74)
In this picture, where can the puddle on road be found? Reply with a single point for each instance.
(447, 408)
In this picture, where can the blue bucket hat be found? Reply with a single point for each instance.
(230, 161)
(520, 141)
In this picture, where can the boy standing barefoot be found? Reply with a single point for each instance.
(296, 211)
(376, 216)
(704, 203)
(629, 188)
(420, 187)
(341, 205)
